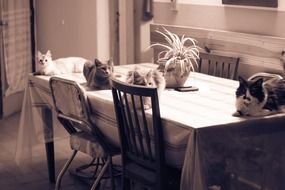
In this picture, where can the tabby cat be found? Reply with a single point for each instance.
(262, 94)
(151, 78)
(97, 74)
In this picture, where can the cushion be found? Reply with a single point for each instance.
(87, 143)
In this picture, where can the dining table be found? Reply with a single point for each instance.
(213, 149)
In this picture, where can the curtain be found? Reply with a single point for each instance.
(16, 39)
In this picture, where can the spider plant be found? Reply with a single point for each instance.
(177, 55)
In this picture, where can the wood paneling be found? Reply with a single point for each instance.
(263, 52)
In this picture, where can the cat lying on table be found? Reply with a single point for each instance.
(49, 67)
(151, 78)
(98, 74)
(262, 94)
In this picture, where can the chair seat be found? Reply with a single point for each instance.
(136, 171)
(87, 143)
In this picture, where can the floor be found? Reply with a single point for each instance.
(33, 176)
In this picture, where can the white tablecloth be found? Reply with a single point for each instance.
(198, 126)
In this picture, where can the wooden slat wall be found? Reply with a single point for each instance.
(257, 52)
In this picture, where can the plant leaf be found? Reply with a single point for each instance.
(161, 45)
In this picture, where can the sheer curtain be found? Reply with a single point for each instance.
(16, 39)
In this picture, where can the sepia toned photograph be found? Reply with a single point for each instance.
(142, 95)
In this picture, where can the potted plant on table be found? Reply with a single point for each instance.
(178, 59)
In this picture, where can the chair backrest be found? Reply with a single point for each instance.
(70, 104)
(140, 130)
(73, 111)
(218, 65)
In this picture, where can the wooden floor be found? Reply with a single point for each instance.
(33, 176)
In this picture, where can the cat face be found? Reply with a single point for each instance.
(97, 74)
(44, 59)
(103, 70)
(250, 96)
(151, 78)
(250, 91)
(134, 77)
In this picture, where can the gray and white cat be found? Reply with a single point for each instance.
(97, 74)
(262, 94)
(151, 78)
(49, 67)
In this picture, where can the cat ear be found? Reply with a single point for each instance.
(48, 53)
(242, 80)
(111, 64)
(136, 74)
(97, 62)
(149, 73)
(259, 82)
(39, 54)
(130, 77)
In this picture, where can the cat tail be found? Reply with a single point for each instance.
(265, 76)
(282, 60)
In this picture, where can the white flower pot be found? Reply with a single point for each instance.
(174, 79)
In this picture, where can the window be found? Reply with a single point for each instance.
(261, 3)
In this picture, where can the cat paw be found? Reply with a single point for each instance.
(38, 73)
(263, 112)
(237, 114)
(117, 75)
(147, 106)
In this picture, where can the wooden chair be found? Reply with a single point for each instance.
(73, 113)
(141, 138)
(218, 65)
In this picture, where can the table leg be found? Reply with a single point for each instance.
(50, 161)
(49, 145)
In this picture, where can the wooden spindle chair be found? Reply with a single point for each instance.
(218, 65)
(141, 138)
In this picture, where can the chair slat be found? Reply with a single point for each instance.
(147, 136)
(131, 131)
(137, 124)
(124, 118)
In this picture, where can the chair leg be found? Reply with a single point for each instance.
(111, 174)
(103, 170)
(126, 183)
(63, 170)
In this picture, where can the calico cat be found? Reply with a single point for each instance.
(97, 74)
(49, 67)
(151, 78)
(262, 94)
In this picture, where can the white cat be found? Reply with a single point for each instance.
(49, 67)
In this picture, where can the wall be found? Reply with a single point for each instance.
(212, 14)
(69, 27)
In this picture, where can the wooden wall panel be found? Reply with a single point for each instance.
(261, 52)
